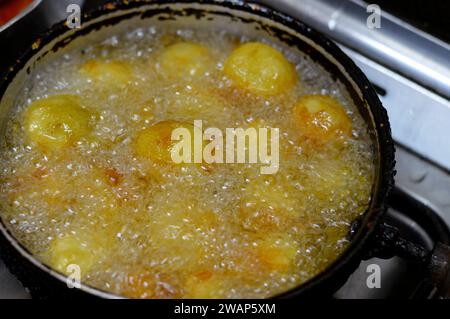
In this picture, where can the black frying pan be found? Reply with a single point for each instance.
(370, 236)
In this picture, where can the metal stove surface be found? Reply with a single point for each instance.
(411, 71)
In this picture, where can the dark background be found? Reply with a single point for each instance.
(432, 16)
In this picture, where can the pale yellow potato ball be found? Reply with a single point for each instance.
(56, 122)
(108, 73)
(277, 253)
(260, 69)
(186, 59)
(75, 250)
(155, 143)
(321, 118)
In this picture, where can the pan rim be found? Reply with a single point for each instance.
(382, 184)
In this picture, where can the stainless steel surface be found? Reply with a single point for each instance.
(420, 119)
(396, 44)
(10, 287)
(423, 181)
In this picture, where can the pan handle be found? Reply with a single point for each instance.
(439, 269)
(389, 242)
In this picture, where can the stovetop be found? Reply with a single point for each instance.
(411, 72)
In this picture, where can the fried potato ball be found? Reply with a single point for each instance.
(267, 204)
(56, 122)
(321, 118)
(277, 253)
(186, 59)
(260, 69)
(109, 73)
(205, 285)
(81, 250)
(155, 143)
